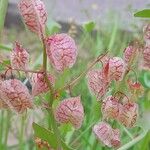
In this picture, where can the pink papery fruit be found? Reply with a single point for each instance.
(146, 32)
(39, 84)
(130, 54)
(97, 83)
(62, 51)
(115, 141)
(128, 114)
(16, 95)
(116, 68)
(110, 107)
(70, 111)
(106, 134)
(146, 58)
(19, 57)
(34, 15)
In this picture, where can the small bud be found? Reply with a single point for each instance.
(19, 57)
(70, 111)
(16, 95)
(110, 107)
(106, 134)
(146, 32)
(136, 88)
(39, 84)
(97, 83)
(34, 15)
(62, 51)
(128, 114)
(134, 85)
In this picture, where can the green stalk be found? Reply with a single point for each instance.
(8, 117)
(3, 10)
(21, 134)
(95, 145)
(1, 128)
(53, 122)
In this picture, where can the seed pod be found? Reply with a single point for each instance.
(103, 132)
(146, 58)
(128, 114)
(70, 111)
(115, 141)
(110, 107)
(16, 95)
(106, 134)
(39, 84)
(97, 83)
(146, 32)
(62, 51)
(19, 57)
(116, 69)
(129, 54)
(34, 15)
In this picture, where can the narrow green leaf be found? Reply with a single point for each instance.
(143, 13)
(5, 47)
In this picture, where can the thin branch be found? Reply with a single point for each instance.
(73, 82)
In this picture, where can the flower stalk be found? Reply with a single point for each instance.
(51, 114)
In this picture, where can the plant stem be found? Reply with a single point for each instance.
(95, 145)
(3, 10)
(134, 141)
(1, 128)
(31, 71)
(80, 136)
(53, 122)
(21, 136)
(8, 116)
(55, 128)
(128, 133)
(74, 81)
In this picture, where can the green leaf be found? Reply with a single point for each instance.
(65, 128)
(48, 136)
(1, 67)
(6, 47)
(145, 79)
(143, 13)
(45, 135)
(144, 121)
(52, 27)
(89, 26)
